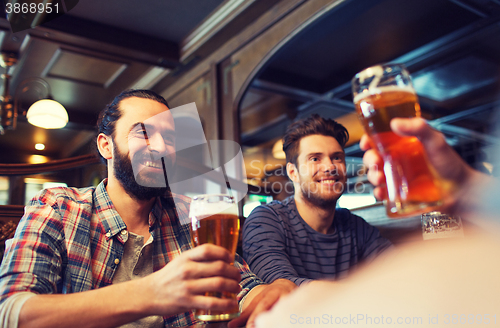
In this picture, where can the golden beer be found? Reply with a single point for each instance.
(218, 229)
(412, 187)
(221, 229)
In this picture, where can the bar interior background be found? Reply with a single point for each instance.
(252, 67)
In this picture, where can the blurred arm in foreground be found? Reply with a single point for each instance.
(434, 283)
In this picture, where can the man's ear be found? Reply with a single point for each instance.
(105, 146)
(292, 172)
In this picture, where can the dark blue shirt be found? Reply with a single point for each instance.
(278, 243)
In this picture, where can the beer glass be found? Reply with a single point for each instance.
(382, 93)
(214, 220)
(436, 225)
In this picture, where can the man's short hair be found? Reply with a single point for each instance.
(312, 125)
(111, 113)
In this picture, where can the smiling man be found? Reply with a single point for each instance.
(120, 254)
(305, 237)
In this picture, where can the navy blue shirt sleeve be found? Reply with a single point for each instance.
(370, 242)
(264, 247)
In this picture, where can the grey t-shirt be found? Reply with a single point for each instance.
(137, 262)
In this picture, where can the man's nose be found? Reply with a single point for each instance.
(156, 144)
(329, 165)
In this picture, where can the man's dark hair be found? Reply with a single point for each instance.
(111, 113)
(314, 124)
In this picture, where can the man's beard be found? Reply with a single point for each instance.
(124, 173)
(315, 198)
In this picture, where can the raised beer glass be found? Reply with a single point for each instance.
(214, 220)
(382, 93)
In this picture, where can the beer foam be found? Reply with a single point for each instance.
(379, 90)
(211, 204)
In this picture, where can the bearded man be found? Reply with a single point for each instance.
(305, 237)
(121, 254)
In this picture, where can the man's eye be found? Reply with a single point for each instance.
(314, 159)
(139, 133)
(136, 134)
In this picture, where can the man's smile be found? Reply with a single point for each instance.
(328, 181)
(153, 164)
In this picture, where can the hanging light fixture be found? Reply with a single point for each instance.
(44, 113)
(47, 114)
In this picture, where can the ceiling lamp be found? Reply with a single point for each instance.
(39, 146)
(44, 113)
(47, 114)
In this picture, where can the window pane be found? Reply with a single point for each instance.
(4, 190)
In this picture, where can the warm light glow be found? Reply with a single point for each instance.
(39, 146)
(278, 150)
(249, 207)
(47, 114)
(350, 201)
(37, 159)
(353, 125)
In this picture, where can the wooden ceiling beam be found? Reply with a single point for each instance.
(225, 22)
(166, 51)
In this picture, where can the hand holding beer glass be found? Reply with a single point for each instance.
(214, 220)
(382, 93)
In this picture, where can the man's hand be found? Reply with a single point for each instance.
(261, 299)
(457, 177)
(180, 286)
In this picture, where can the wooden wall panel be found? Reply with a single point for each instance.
(201, 91)
(237, 62)
(273, 16)
(228, 71)
(255, 54)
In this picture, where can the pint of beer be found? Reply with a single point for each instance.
(214, 220)
(382, 93)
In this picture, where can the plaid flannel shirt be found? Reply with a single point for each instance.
(69, 241)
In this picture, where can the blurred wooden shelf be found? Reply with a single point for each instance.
(11, 212)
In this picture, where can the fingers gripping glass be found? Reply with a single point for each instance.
(382, 93)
